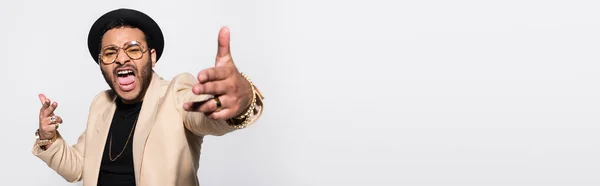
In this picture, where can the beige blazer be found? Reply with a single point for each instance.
(167, 142)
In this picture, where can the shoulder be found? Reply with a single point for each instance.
(185, 78)
(179, 81)
(180, 89)
(182, 81)
(102, 98)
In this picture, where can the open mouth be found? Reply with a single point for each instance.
(126, 79)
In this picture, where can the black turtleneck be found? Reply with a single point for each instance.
(119, 171)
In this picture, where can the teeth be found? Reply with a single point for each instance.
(123, 72)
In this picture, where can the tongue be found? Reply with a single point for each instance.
(126, 80)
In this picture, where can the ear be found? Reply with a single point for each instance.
(153, 56)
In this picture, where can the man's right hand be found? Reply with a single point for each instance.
(48, 127)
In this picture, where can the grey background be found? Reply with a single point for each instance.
(357, 92)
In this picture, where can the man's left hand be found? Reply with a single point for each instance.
(223, 81)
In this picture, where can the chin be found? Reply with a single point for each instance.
(127, 96)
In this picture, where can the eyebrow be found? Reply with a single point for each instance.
(125, 44)
(111, 45)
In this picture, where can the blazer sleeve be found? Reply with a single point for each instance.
(197, 122)
(66, 160)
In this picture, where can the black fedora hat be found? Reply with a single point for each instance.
(136, 18)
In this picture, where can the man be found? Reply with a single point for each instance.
(145, 130)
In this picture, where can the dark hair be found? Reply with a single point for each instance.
(120, 23)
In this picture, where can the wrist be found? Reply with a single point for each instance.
(249, 106)
(45, 141)
(45, 135)
(244, 108)
(243, 118)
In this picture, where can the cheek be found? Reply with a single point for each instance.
(142, 68)
(108, 73)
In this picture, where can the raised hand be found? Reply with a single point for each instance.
(48, 121)
(231, 90)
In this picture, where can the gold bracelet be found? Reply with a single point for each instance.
(44, 142)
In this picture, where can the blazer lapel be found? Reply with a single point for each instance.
(145, 122)
(95, 146)
(107, 117)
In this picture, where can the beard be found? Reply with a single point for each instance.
(145, 77)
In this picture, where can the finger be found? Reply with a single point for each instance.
(221, 114)
(51, 108)
(45, 107)
(193, 106)
(223, 49)
(214, 74)
(42, 98)
(48, 121)
(59, 120)
(50, 128)
(45, 102)
(211, 87)
(209, 106)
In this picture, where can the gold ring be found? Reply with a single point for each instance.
(218, 103)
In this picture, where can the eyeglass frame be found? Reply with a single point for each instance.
(125, 46)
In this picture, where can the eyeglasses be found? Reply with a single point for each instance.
(133, 49)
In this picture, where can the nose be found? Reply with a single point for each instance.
(122, 57)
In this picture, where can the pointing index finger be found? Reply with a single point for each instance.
(42, 98)
(45, 102)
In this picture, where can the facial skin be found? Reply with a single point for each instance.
(142, 68)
